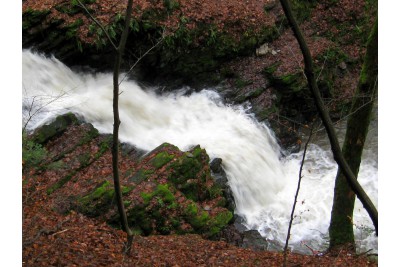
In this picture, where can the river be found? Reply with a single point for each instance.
(262, 182)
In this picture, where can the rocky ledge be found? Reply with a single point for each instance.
(165, 191)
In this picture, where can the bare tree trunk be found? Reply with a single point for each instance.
(118, 57)
(341, 225)
(337, 153)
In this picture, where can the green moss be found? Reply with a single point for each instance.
(196, 218)
(96, 202)
(32, 153)
(85, 161)
(55, 128)
(269, 71)
(203, 223)
(99, 200)
(140, 176)
(139, 219)
(84, 158)
(286, 84)
(239, 83)
(31, 18)
(56, 165)
(170, 5)
(152, 212)
(264, 114)
(200, 220)
(73, 28)
(60, 183)
(222, 219)
(191, 210)
(249, 95)
(302, 8)
(146, 197)
(161, 159)
(215, 191)
(127, 203)
(162, 192)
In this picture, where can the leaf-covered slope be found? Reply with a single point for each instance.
(54, 234)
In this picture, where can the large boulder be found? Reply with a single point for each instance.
(55, 128)
(171, 192)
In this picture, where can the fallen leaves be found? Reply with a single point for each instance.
(59, 239)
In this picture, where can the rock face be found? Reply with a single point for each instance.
(165, 191)
(171, 192)
(221, 179)
(55, 128)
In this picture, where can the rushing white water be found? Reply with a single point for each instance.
(262, 184)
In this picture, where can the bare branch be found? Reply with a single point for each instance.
(98, 24)
(140, 58)
(323, 65)
(295, 197)
(32, 114)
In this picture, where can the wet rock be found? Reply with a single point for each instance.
(264, 50)
(55, 128)
(171, 192)
(216, 166)
(342, 65)
(221, 179)
(252, 239)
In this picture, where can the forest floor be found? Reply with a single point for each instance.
(53, 239)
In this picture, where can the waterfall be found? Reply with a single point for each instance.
(263, 184)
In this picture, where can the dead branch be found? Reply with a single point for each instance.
(295, 197)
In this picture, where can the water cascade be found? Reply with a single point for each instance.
(263, 184)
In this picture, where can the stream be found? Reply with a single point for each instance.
(263, 183)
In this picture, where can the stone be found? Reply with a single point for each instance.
(55, 128)
(342, 65)
(263, 50)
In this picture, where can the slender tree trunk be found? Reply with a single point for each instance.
(337, 152)
(118, 57)
(341, 225)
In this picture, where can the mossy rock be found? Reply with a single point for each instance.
(187, 173)
(100, 199)
(161, 159)
(97, 201)
(205, 223)
(54, 129)
(286, 84)
(140, 176)
(166, 195)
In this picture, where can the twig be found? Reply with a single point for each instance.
(340, 252)
(348, 115)
(296, 195)
(60, 232)
(45, 231)
(32, 113)
(323, 65)
(313, 251)
(98, 24)
(298, 63)
(140, 58)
